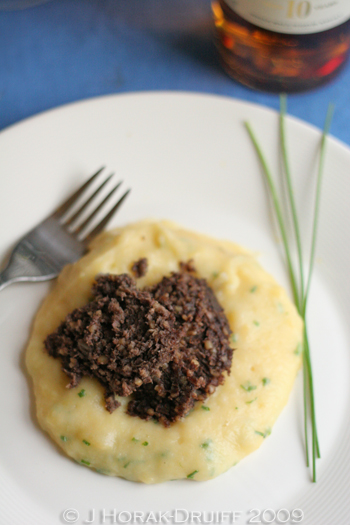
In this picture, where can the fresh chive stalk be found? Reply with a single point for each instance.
(326, 128)
(304, 291)
(283, 110)
(306, 367)
(299, 289)
(278, 211)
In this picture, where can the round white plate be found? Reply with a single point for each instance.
(188, 158)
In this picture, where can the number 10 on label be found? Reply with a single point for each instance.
(298, 9)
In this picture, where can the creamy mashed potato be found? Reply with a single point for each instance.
(233, 422)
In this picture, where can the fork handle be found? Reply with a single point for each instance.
(21, 268)
(6, 278)
(11, 274)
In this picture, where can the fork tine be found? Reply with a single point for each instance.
(104, 221)
(87, 202)
(82, 226)
(61, 210)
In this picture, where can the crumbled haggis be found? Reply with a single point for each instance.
(187, 267)
(166, 345)
(199, 360)
(139, 268)
(123, 338)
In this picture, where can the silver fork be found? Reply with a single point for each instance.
(44, 251)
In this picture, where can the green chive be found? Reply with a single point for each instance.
(215, 275)
(135, 440)
(298, 349)
(191, 476)
(127, 464)
(263, 434)
(145, 443)
(86, 442)
(248, 387)
(301, 292)
(234, 338)
(81, 393)
(326, 128)
(205, 407)
(283, 109)
(309, 400)
(277, 208)
(256, 323)
(253, 289)
(206, 444)
(64, 438)
(266, 381)
(307, 358)
(85, 462)
(251, 401)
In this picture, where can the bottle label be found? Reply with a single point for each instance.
(293, 16)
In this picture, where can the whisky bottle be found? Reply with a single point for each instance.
(282, 45)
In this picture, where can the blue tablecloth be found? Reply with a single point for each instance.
(67, 50)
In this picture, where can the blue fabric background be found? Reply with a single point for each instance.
(67, 50)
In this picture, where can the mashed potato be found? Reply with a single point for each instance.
(232, 423)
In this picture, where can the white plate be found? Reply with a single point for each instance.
(187, 157)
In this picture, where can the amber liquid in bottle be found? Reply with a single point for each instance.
(278, 62)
